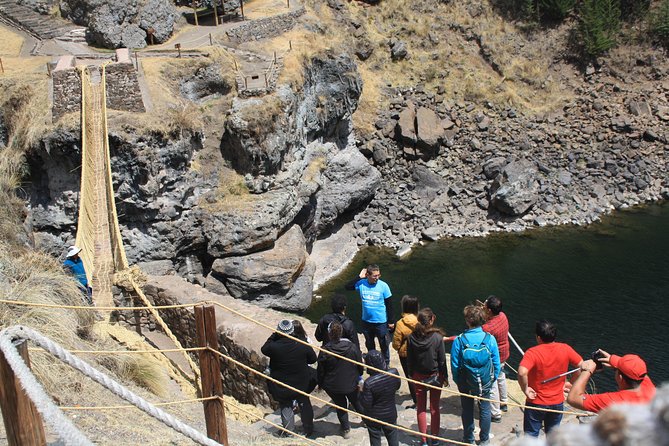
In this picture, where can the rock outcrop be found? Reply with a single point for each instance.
(515, 189)
(124, 23)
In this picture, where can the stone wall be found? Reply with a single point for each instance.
(123, 91)
(66, 80)
(265, 28)
(239, 338)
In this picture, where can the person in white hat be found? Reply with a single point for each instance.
(75, 266)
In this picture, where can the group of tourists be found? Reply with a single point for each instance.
(477, 359)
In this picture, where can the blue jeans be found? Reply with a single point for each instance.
(468, 416)
(535, 418)
(372, 330)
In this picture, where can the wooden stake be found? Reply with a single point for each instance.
(195, 11)
(215, 14)
(23, 424)
(48, 68)
(241, 4)
(290, 44)
(210, 371)
(178, 47)
(2, 67)
(211, 42)
(288, 2)
(136, 62)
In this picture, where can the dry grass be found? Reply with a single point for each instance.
(11, 43)
(262, 115)
(258, 9)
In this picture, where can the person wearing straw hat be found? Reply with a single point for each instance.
(289, 363)
(631, 375)
(75, 266)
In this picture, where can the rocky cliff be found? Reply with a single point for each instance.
(302, 169)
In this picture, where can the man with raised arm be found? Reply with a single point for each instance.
(377, 309)
(631, 375)
(538, 376)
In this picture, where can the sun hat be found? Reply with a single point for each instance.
(632, 366)
(73, 250)
(285, 326)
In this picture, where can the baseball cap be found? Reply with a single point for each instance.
(632, 366)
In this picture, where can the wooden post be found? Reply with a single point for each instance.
(290, 44)
(178, 47)
(222, 10)
(23, 424)
(2, 67)
(215, 14)
(48, 68)
(236, 67)
(266, 83)
(241, 5)
(210, 371)
(195, 11)
(288, 2)
(136, 62)
(211, 41)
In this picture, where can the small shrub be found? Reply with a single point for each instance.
(659, 23)
(554, 10)
(599, 25)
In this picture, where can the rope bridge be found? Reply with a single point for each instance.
(98, 231)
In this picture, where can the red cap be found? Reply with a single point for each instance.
(631, 366)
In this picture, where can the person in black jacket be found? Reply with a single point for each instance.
(289, 363)
(377, 400)
(338, 305)
(426, 357)
(338, 377)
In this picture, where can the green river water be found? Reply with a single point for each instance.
(606, 285)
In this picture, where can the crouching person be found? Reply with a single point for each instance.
(378, 400)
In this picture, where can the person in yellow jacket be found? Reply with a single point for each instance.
(403, 328)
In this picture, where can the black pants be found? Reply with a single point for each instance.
(405, 368)
(306, 414)
(340, 400)
(376, 431)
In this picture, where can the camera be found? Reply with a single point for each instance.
(596, 356)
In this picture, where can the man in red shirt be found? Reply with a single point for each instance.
(540, 363)
(631, 377)
(498, 326)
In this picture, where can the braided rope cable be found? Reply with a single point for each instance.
(126, 352)
(331, 404)
(132, 406)
(50, 411)
(89, 308)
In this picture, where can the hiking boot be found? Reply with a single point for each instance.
(346, 433)
(484, 443)
(503, 407)
(496, 419)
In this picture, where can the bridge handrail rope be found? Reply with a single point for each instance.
(316, 347)
(51, 413)
(132, 406)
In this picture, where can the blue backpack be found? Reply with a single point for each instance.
(476, 369)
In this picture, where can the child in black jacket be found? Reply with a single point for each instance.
(378, 400)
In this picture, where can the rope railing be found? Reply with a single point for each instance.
(132, 406)
(333, 405)
(51, 413)
(318, 348)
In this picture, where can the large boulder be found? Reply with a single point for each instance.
(270, 277)
(123, 23)
(250, 227)
(515, 189)
(429, 131)
(349, 181)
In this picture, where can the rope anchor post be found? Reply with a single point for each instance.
(210, 373)
(23, 424)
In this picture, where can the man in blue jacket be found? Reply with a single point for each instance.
(377, 309)
(475, 366)
(75, 266)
